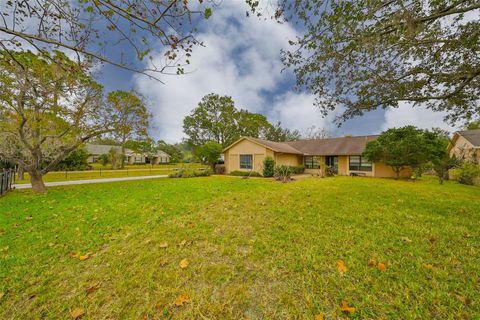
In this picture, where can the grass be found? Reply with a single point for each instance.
(100, 172)
(257, 249)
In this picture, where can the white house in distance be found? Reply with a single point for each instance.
(96, 150)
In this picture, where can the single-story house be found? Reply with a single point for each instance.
(465, 145)
(344, 155)
(95, 150)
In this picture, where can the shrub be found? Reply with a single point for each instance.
(467, 173)
(77, 160)
(329, 171)
(283, 173)
(239, 173)
(219, 169)
(268, 167)
(297, 169)
(103, 159)
(190, 172)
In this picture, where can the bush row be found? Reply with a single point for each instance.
(190, 173)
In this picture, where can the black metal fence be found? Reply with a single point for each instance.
(7, 177)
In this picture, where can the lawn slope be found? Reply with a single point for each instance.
(254, 249)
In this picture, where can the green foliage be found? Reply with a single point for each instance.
(210, 153)
(297, 169)
(268, 167)
(190, 172)
(140, 146)
(405, 147)
(104, 159)
(174, 151)
(239, 173)
(468, 172)
(283, 173)
(473, 125)
(77, 160)
(279, 134)
(217, 119)
(365, 55)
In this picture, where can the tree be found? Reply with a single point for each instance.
(252, 124)
(279, 134)
(121, 33)
(364, 55)
(104, 159)
(130, 116)
(473, 125)
(77, 160)
(47, 110)
(213, 120)
(441, 160)
(315, 132)
(174, 151)
(210, 153)
(268, 167)
(400, 148)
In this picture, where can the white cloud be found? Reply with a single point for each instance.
(418, 116)
(240, 59)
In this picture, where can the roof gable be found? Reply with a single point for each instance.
(472, 136)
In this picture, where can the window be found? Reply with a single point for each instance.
(311, 162)
(138, 158)
(358, 163)
(94, 158)
(246, 161)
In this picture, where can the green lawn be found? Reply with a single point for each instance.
(257, 249)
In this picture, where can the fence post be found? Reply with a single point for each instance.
(100, 172)
(127, 171)
(66, 174)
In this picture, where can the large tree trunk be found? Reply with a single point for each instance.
(122, 166)
(21, 173)
(36, 179)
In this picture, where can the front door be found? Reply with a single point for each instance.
(332, 162)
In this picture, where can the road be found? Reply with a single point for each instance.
(89, 181)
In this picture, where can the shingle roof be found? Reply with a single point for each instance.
(276, 146)
(103, 148)
(473, 136)
(333, 146)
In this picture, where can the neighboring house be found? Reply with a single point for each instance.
(95, 150)
(465, 145)
(342, 154)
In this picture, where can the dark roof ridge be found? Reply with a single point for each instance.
(333, 138)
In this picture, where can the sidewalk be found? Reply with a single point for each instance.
(89, 181)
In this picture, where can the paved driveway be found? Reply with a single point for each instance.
(72, 182)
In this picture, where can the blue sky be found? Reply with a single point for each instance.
(241, 58)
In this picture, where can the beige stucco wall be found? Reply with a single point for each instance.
(288, 159)
(232, 156)
(383, 171)
(463, 149)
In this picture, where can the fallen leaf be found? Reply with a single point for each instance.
(163, 245)
(29, 218)
(183, 243)
(346, 308)
(184, 263)
(371, 263)
(147, 241)
(85, 257)
(432, 239)
(341, 267)
(75, 254)
(405, 239)
(319, 316)
(94, 287)
(181, 299)
(453, 259)
(382, 267)
(429, 267)
(163, 262)
(77, 313)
